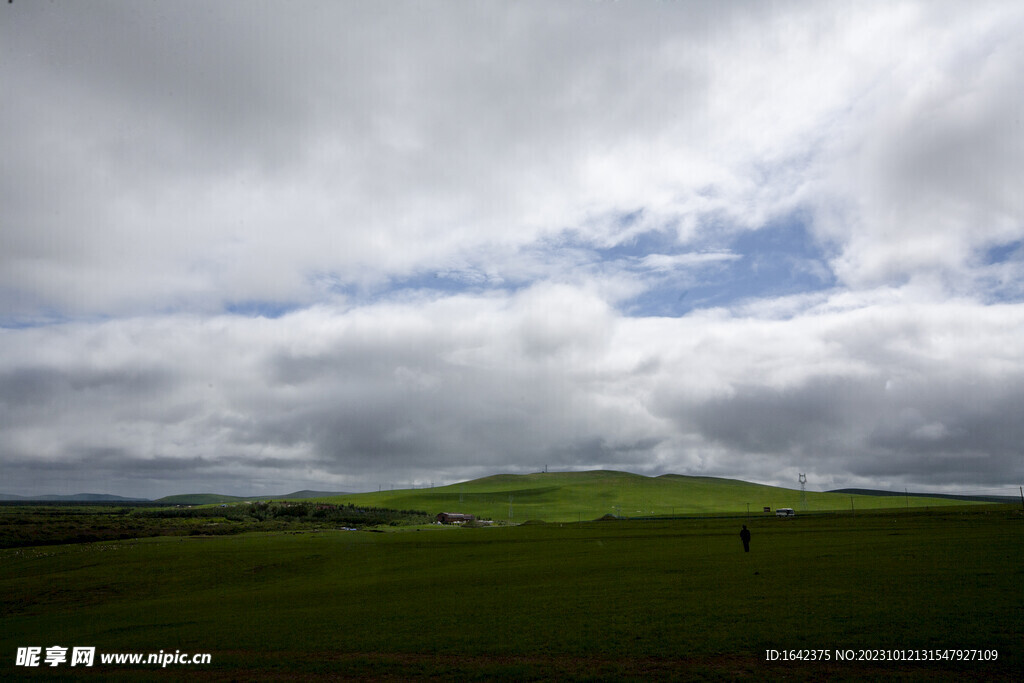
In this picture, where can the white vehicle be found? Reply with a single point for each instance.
(785, 512)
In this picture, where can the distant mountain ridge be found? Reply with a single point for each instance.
(75, 497)
(558, 494)
(180, 499)
(211, 498)
(947, 496)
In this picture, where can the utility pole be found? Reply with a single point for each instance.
(1022, 497)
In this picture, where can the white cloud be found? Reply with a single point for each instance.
(667, 262)
(162, 165)
(213, 160)
(549, 376)
(924, 166)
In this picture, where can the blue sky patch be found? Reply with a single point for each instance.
(260, 309)
(1010, 251)
(780, 259)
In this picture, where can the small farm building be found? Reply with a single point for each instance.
(454, 518)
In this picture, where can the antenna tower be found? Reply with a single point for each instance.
(803, 490)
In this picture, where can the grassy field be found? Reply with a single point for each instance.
(36, 525)
(576, 496)
(617, 600)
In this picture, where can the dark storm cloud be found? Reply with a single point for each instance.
(759, 418)
(37, 386)
(913, 394)
(157, 85)
(636, 455)
(927, 433)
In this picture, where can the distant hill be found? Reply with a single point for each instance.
(948, 496)
(181, 499)
(213, 498)
(200, 499)
(302, 494)
(75, 497)
(573, 496)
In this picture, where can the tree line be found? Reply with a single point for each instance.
(346, 514)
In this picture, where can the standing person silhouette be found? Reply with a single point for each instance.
(745, 535)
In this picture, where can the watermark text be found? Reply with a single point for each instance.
(882, 655)
(58, 655)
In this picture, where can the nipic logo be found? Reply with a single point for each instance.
(55, 656)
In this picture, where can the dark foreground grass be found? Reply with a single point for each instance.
(674, 600)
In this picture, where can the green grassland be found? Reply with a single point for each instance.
(611, 600)
(575, 496)
(38, 525)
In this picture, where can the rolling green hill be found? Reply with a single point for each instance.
(574, 496)
(300, 495)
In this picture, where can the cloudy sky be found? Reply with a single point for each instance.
(257, 247)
